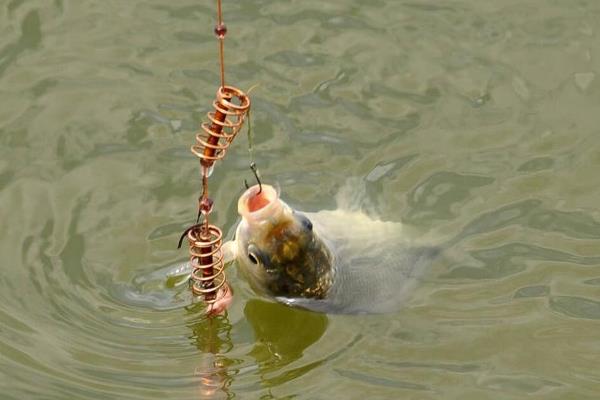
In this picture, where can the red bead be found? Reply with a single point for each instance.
(220, 31)
(206, 206)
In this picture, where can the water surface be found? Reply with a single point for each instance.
(465, 118)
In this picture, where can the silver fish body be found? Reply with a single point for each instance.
(329, 261)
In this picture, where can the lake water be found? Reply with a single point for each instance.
(472, 118)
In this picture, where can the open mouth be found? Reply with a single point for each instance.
(256, 204)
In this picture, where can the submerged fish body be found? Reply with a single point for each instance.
(339, 261)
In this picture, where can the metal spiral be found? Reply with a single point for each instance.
(231, 107)
(230, 110)
(206, 258)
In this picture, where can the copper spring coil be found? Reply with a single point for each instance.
(226, 121)
(206, 279)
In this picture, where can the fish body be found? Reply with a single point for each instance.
(334, 261)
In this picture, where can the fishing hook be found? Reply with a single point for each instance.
(255, 171)
(184, 234)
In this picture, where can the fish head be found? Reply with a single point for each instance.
(278, 250)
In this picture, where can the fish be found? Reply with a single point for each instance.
(339, 261)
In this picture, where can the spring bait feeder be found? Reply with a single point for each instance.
(231, 107)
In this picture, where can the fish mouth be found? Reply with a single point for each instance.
(257, 203)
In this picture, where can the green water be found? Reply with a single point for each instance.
(460, 116)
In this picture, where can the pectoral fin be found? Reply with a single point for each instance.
(178, 275)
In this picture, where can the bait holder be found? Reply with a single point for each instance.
(230, 109)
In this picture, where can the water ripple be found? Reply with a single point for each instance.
(472, 121)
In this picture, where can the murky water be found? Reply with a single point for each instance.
(469, 117)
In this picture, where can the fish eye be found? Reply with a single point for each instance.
(253, 254)
(306, 223)
(253, 258)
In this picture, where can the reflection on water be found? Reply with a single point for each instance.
(277, 343)
(212, 337)
(282, 341)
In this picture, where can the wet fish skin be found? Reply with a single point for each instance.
(339, 261)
